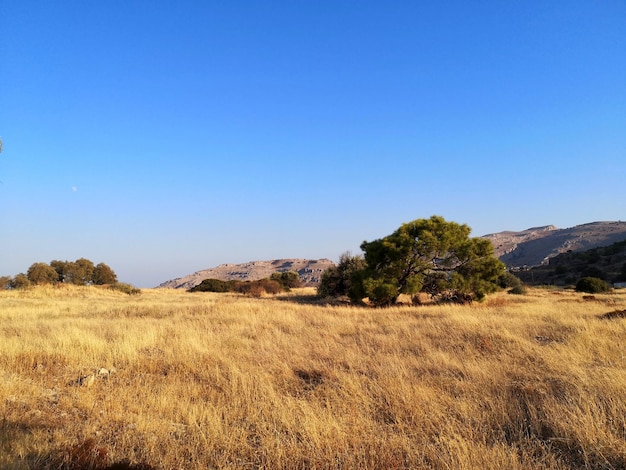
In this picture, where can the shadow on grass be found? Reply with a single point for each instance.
(87, 455)
(615, 315)
(312, 299)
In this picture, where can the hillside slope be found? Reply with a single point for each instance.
(308, 270)
(535, 246)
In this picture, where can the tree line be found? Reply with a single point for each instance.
(81, 272)
(276, 283)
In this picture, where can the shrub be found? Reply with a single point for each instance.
(287, 279)
(20, 281)
(338, 280)
(214, 285)
(126, 288)
(5, 282)
(592, 271)
(508, 280)
(592, 285)
(519, 289)
(258, 288)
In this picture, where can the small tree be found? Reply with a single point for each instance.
(428, 255)
(5, 282)
(42, 273)
(337, 281)
(20, 281)
(287, 279)
(61, 268)
(82, 271)
(592, 285)
(103, 274)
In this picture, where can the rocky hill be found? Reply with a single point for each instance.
(308, 270)
(535, 246)
(528, 248)
(606, 262)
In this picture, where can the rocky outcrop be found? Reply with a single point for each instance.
(308, 270)
(535, 246)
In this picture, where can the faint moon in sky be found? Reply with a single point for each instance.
(74, 189)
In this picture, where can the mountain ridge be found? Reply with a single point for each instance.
(308, 270)
(535, 246)
(523, 249)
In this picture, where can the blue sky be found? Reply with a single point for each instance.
(167, 137)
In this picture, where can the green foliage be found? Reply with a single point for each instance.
(251, 288)
(520, 289)
(20, 281)
(214, 285)
(560, 270)
(82, 271)
(592, 271)
(428, 255)
(567, 268)
(508, 280)
(287, 279)
(592, 285)
(61, 268)
(126, 288)
(337, 281)
(621, 277)
(5, 282)
(42, 273)
(103, 274)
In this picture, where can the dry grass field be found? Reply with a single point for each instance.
(197, 381)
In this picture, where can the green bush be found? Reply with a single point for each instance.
(338, 280)
(214, 285)
(287, 279)
(126, 288)
(20, 281)
(508, 280)
(592, 285)
(520, 289)
(251, 288)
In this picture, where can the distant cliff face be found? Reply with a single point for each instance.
(308, 270)
(535, 246)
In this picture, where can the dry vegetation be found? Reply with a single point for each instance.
(223, 381)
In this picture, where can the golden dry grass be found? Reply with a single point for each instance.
(223, 381)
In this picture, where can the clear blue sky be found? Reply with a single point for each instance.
(167, 137)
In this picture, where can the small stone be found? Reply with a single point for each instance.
(87, 380)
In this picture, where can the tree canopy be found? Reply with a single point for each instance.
(42, 273)
(337, 280)
(425, 255)
(80, 272)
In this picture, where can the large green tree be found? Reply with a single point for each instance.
(427, 255)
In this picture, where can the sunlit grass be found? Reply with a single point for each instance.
(223, 381)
